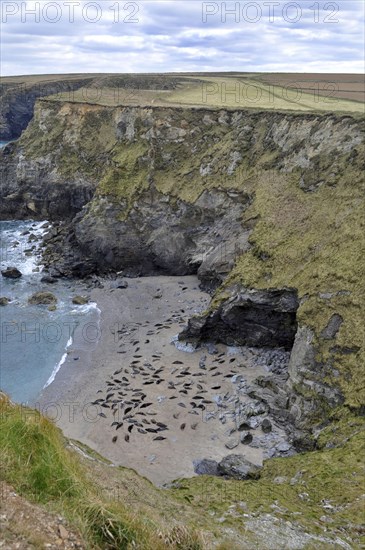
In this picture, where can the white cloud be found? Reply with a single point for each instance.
(171, 36)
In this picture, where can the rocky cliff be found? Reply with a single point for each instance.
(266, 207)
(18, 97)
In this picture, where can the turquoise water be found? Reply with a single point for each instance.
(34, 340)
(3, 143)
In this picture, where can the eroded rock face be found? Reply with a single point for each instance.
(160, 189)
(307, 373)
(17, 102)
(165, 236)
(296, 393)
(250, 317)
(32, 192)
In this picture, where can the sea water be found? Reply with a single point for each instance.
(35, 341)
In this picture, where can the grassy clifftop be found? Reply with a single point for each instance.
(256, 91)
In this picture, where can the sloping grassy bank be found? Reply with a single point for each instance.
(319, 494)
(37, 461)
(314, 242)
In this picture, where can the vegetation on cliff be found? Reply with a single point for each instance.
(115, 508)
(314, 242)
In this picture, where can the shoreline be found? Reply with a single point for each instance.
(59, 365)
(68, 347)
(132, 394)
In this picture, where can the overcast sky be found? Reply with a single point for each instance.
(172, 35)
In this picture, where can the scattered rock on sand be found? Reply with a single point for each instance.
(266, 425)
(238, 467)
(119, 283)
(246, 437)
(80, 300)
(206, 466)
(42, 298)
(11, 273)
(231, 443)
(211, 348)
(4, 301)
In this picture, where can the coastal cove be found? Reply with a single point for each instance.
(182, 312)
(146, 401)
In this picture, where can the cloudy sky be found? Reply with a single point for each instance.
(65, 36)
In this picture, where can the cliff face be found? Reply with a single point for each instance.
(267, 208)
(17, 101)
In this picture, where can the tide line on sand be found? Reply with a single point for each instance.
(59, 364)
(83, 309)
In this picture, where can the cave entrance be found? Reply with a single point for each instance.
(255, 318)
(261, 326)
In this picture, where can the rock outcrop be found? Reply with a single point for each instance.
(251, 318)
(42, 298)
(18, 99)
(238, 467)
(11, 273)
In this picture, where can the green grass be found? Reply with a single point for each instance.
(314, 242)
(125, 179)
(218, 92)
(249, 93)
(36, 460)
(298, 488)
(39, 463)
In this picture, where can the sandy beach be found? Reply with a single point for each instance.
(137, 399)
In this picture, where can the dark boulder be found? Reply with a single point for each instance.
(266, 425)
(246, 438)
(48, 279)
(42, 298)
(11, 273)
(238, 467)
(206, 467)
(80, 300)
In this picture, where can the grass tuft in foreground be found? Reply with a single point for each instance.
(35, 459)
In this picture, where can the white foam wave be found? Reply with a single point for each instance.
(59, 365)
(86, 308)
(16, 256)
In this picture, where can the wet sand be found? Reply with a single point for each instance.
(137, 399)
